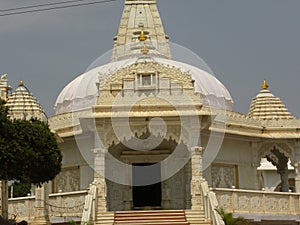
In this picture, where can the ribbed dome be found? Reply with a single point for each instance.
(82, 91)
(22, 105)
(266, 106)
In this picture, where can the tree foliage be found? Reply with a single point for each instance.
(229, 219)
(19, 189)
(28, 150)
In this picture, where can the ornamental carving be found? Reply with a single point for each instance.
(271, 204)
(225, 201)
(130, 71)
(223, 176)
(67, 180)
(255, 202)
(281, 147)
(174, 133)
(66, 206)
(243, 202)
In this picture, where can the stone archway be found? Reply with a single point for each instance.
(278, 155)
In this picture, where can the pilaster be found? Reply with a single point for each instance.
(188, 175)
(297, 177)
(99, 179)
(197, 178)
(297, 166)
(41, 216)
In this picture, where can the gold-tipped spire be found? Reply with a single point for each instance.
(21, 83)
(265, 85)
(142, 36)
(145, 50)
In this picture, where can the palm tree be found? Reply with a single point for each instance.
(228, 218)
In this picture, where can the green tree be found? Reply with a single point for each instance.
(29, 151)
(229, 219)
(19, 189)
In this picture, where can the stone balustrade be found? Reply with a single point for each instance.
(246, 202)
(21, 208)
(63, 207)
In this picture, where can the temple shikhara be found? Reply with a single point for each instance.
(150, 140)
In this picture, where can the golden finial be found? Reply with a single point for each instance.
(265, 85)
(21, 83)
(142, 36)
(145, 50)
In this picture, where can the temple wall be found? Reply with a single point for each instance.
(76, 174)
(233, 166)
(177, 191)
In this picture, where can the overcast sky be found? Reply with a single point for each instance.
(243, 42)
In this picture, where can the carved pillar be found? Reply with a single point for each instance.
(297, 177)
(284, 176)
(282, 169)
(297, 166)
(166, 191)
(128, 199)
(41, 215)
(188, 186)
(4, 198)
(99, 179)
(258, 182)
(197, 178)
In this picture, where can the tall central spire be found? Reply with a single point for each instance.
(140, 16)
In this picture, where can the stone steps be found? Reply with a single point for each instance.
(105, 218)
(155, 217)
(196, 217)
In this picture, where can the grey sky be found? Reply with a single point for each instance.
(243, 42)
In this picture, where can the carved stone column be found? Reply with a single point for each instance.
(297, 166)
(282, 169)
(197, 178)
(41, 215)
(297, 177)
(258, 183)
(99, 179)
(128, 199)
(284, 176)
(188, 186)
(4, 198)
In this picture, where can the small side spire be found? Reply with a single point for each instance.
(21, 84)
(265, 86)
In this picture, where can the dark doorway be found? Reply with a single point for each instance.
(146, 180)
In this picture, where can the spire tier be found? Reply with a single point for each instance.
(139, 14)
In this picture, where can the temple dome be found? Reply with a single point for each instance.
(266, 106)
(82, 91)
(22, 105)
(140, 26)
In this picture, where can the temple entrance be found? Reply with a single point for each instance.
(146, 196)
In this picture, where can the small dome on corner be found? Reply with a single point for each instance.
(266, 106)
(22, 105)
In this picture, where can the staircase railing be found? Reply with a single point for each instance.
(210, 203)
(89, 210)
